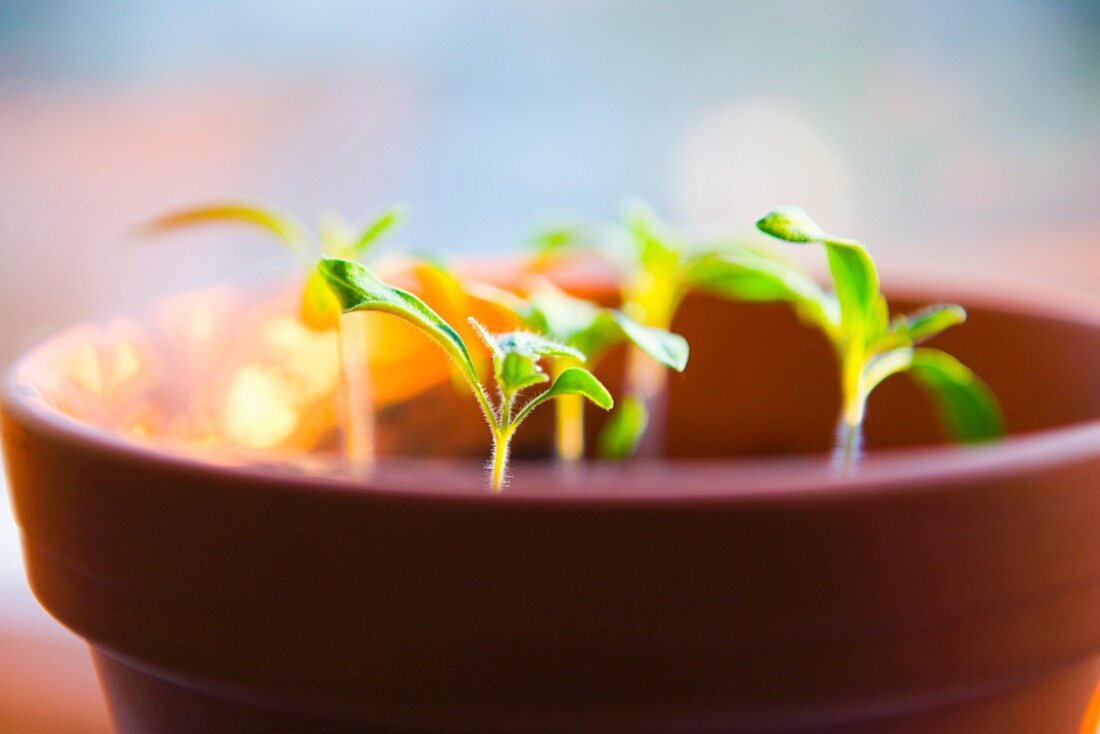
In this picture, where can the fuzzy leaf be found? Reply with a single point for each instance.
(534, 345)
(515, 372)
(488, 339)
(664, 347)
(579, 381)
(359, 289)
(282, 225)
(854, 276)
(747, 276)
(924, 324)
(516, 355)
(572, 381)
(857, 286)
(791, 223)
(966, 405)
(619, 439)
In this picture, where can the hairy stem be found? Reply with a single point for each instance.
(501, 445)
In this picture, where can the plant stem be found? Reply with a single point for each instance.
(501, 445)
(647, 382)
(849, 429)
(569, 429)
(356, 409)
(568, 418)
(502, 440)
(849, 443)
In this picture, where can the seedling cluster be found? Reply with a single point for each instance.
(870, 346)
(562, 337)
(516, 356)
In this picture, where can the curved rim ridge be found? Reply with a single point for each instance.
(746, 479)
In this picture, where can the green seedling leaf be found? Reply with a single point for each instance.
(558, 314)
(284, 226)
(924, 324)
(854, 275)
(587, 329)
(555, 241)
(791, 223)
(535, 345)
(515, 372)
(871, 348)
(857, 286)
(664, 347)
(579, 381)
(522, 309)
(623, 432)
(488, 339)
(966, 404)
(516, 355)
(746, 276)
(884, 364)
(658, 255)
(320, 310)
(359, 289)
(572, 381)
(374, 231)
(879, 323)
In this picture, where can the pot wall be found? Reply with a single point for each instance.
(942, 590)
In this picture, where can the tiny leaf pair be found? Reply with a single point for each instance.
(590, 330)
(871, 347)
(335, 239)
(319, 309)
(516, 356)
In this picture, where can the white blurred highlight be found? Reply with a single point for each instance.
(738, 161)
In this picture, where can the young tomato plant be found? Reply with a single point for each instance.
(590, 330)
(869, 345)
(657, 269)
(319, 309)
(515, 356)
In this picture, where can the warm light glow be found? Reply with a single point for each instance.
(260, 412)
(217, 375)
(268, 403)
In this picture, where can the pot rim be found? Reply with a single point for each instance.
(665, 482)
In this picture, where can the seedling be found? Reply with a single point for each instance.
(516, 356)
(657, 268)
(869, 345)
(589, 329)
(319, 308)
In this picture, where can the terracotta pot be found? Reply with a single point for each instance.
(730, 590)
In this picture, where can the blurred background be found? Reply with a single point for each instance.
(965, 132)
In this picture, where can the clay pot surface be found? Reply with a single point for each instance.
(736, 587)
